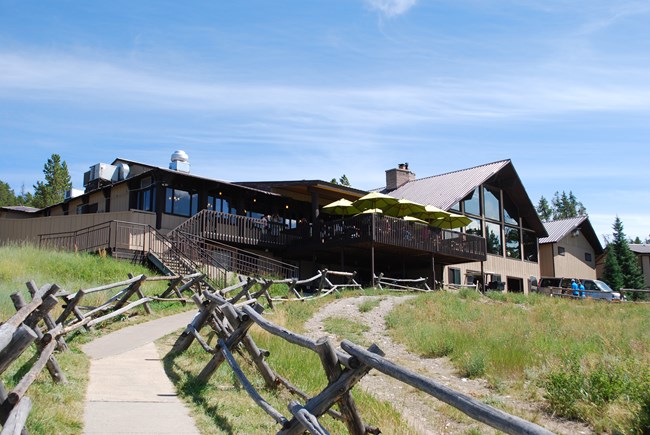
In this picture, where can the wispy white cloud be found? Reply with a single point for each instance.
(391, 8)
(519, 95)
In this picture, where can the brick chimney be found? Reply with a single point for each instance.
(398, 177)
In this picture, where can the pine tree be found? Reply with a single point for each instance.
(631, 275)
(612, 273)
(7, 196)
(57, 181)
(566, 206)
(544, 210)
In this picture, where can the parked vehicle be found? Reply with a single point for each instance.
(594, 288)
(597, 289)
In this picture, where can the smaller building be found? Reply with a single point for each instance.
(642, 252)
(570, 250)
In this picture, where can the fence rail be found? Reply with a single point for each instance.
(34, 323)
(231, 320)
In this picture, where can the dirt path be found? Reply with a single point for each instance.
(422, 412)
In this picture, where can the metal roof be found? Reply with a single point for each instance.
(445, 190)
(559, 229)
(20, 208)
(640, 248)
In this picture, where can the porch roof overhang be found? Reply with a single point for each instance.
(302, 190)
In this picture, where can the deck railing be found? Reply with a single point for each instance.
(242, 230)
(392, 231)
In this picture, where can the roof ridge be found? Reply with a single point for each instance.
(463, 170)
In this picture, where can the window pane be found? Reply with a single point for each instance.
(492, 203)
(474, 227)
(454, 276)
(530, 246)
(195, 203)
(510, 213)
(494, 243)
(472, 204)
(210, 204)
(181, 202)
(455, 207)
(513, 244)
(169, 200)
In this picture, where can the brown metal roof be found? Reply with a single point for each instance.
(445, 190)
(559, 229)
(640, 248)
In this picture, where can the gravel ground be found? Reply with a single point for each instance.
(421, 411)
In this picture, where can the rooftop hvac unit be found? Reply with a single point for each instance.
(100, 171)
(72, 193)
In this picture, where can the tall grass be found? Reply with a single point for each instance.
(58, 409)
(222, 407)
(590, 357)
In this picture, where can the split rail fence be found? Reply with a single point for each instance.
(230, 318)
(35, 322)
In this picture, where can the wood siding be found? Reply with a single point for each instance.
(572, 264)
(506, 267)
(28, 230)
(546, 265)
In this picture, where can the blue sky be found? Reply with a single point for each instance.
(268, 90)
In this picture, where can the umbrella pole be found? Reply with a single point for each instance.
(433, 269)
(372, 260)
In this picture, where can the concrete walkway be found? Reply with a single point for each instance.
(128, 391)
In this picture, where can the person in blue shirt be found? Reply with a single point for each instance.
(581, 287)
(575, 288)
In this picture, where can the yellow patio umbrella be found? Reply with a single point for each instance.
(341, 207)
(374, 200)
(431, 213)
(404, 207)
(452, 221)
(414, 219)
(371, 211)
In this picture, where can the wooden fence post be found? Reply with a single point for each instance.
(61, 345)
(330, 361)
(52, 364)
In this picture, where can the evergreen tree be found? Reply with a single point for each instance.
(612, 273)
(7, 196)
(544, 210)
(57, 181)
(631, 275)
(566, 206)
(343, 181)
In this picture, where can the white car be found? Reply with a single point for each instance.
(597, 289)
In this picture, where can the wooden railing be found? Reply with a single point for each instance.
(230, 228)
(91, 238)
(226, 257)
(392, 231)
(343, 369)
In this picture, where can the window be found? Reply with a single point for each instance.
(472, 203)
(588, 257)
(494, 241)
(513, 244)
(454, 276)
(560, 250)
(474, 227)
(510, 213)
(492, 203)
(145, 196)
(217, 203)
(180, 202)
(530, 246)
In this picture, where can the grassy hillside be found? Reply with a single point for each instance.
(58, 409)
(588, 360)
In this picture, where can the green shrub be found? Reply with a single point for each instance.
(471, 365)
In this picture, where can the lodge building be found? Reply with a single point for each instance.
(282, 223)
